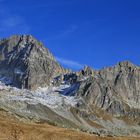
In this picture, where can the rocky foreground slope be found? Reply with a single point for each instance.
(12, 129)
(35, 88)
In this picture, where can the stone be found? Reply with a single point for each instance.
(26, 62)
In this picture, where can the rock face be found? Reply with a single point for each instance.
(115, 89)
(26, 63)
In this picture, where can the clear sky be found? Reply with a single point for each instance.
(94, 32)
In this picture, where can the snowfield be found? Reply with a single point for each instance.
(49, 96)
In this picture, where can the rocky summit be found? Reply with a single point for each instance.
(26, 63)
(35, 88)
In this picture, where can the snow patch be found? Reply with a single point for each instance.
(5, 80)
(49, 96)
(18, 71)
(52, 98)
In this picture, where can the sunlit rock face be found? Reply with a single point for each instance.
(26, 63)
(115, 89)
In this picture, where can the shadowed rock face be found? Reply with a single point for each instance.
(26, 63)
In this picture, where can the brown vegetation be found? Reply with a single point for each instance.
(11, 129)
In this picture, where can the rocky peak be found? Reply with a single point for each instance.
(125, 64)
(26, 62)
(22, 44)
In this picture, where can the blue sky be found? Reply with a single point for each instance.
(97, 33)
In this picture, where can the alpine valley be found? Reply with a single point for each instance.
(39, 99)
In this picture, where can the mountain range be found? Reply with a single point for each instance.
(35, 88)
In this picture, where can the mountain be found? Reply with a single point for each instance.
(35, 88)
(26, 63)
